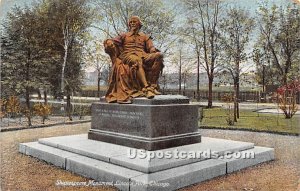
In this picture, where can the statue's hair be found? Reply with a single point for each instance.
(135, 17)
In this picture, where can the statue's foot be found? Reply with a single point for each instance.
(125, 102)
(154, 88)
(150, 94)
(156, 92)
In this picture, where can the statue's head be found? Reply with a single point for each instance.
(134, 22)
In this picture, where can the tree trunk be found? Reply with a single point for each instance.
(28, 107)
(63, 76)
(69, 107)
(184, 81)
(237, 99)
(66, 47)
(27, 92)
(164, 82)
(284, 79)
(98, 84)
(234, 109)
(39, 94)
(210, 84)
(179, 77)
(45, 97)
(198, 75)
(235, 102)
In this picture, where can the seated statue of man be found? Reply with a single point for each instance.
(137, 58)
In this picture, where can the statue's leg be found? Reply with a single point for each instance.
(154, 65)
(137, 62)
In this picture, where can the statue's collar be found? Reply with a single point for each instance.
(131, 33)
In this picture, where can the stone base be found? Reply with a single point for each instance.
(146, 143)
(111, 163)
(162, 122)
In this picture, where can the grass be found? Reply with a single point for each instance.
(216, 117)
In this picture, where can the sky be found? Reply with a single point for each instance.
(251, 5)
(6, 5)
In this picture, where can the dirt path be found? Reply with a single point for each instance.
(20, 172)
(283, 174)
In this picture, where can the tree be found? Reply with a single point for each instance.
(66, 24)
(96, 58)
(197, 44)
(206, 15)
(183, 65)
(236, 28)
(264, 73)
(42, 42)
(279, 38)
(22, 56)
(70, 20)
(191, 34)
(157, 20)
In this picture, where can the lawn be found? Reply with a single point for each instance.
(216, 117)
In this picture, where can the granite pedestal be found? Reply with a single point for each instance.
(151, 124)
(148, 145)
(111, 164)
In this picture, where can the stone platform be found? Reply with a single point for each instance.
(115, 164)
(162, 122)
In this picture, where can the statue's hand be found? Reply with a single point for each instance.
(153, 50)
(110, 47)
(110, 44)
(135, 65)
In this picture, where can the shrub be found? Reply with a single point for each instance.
(228, 99)
(13, 106)
(43, 110)
(81, 111)
(2, 108)
(286, 98)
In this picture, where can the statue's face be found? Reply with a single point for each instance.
(134, 24)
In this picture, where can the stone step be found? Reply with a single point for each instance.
(106, 173)
(118, 154)
(238, 161)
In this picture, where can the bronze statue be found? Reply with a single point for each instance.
(136, 65)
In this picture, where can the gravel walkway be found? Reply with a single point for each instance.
(20, 172)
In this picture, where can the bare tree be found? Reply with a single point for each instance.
(279, 38)
(193, 35)
(236, 28)
(97, 59)
(206, 15)
(182, 62)
(157, 20)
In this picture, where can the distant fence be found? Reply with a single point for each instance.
(245, 96)
(91, 93)
(192, 94)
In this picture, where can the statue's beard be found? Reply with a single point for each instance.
(134, 28)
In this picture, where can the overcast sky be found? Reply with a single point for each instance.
(6, 5)
(251, 5)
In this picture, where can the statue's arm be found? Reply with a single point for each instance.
(114, 46)
(150, 46)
